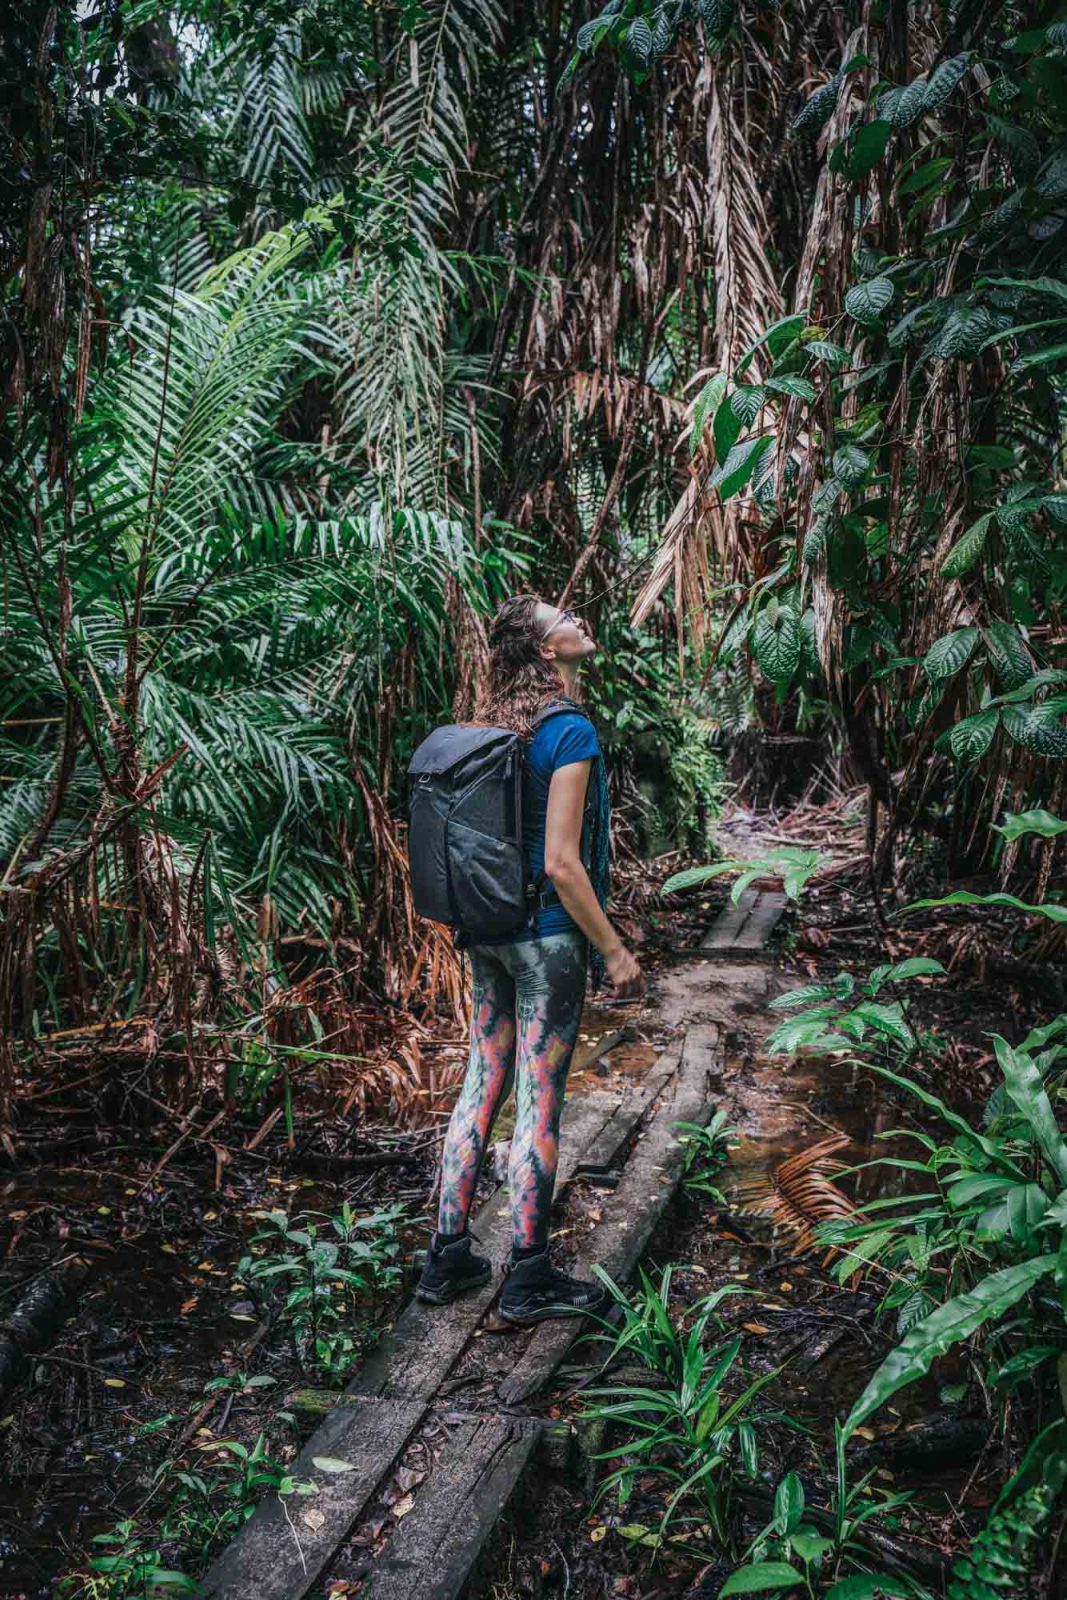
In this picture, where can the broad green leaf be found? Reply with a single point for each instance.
(776, 643)
(964, 897)
(1036, 728)
(778, 336)
(869, 1586)
(944, 78)
(760, 1578)
(801, 997)
(851, 465)
(814, 542)
(1026, 1091)
(692, 876)
(797, 388)
(970, 738)
(1019, 823)
(866, 147)
(911, 967)
(1054, 288)
(825, 350)
(639, 41)
(788, 1503)
(967, 549)
(948, 654)
(1039, 358)
(747, 402)
(742, 461)
(817, 111)
(957, 1319)
(1026, 690)
(865, 302)
(996, 1155)
(886, 1019)
(1008, 653)
(707, 403)
(809, 1546)
(725, 429)
(901, 106)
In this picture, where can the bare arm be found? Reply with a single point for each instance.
(563, 864)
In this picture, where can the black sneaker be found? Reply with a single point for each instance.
(535, 1291)
(450, 1270)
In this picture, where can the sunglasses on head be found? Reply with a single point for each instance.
(564, 616)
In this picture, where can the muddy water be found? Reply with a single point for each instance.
(827, 1335)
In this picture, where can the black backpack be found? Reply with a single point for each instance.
(465, 849)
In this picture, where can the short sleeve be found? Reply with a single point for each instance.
(576, 740)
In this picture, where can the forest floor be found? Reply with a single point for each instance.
(822, 1337)
(175, 1361)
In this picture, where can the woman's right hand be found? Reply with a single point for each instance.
(624, 970)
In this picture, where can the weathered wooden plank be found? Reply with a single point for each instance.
(287, 1544)
(426, 1341)
(748, 924)
(434, 1548)
(649, 1179)
(728, 924)
(762, 920)
(610, 1142)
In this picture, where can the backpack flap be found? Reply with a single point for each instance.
(465, 830)
(446, 747)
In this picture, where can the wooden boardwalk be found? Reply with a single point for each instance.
(286, 1550)
(746, 926)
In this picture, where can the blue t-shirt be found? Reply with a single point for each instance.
(559, 741)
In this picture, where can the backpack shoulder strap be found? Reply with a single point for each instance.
(555, 708)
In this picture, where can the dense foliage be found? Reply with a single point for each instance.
(889, 396)
(740, 326)
(282, 423)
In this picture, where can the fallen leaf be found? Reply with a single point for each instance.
(758, 1327)
(332, 1464)
(168, 1250)
(598, 1534)
(188, 1305)
(313, 1519)
(865, 1433)
(114, 1383)
(403, 1506)
(103, 1211)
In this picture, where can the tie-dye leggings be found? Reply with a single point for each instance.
(527, 1005)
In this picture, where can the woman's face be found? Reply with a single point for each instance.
(564, 636)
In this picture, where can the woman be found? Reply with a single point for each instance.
(529, 987)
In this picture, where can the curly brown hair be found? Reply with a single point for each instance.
(519, 681)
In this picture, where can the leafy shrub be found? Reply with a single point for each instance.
(333, 1278)
(982, 1239)
(683, 1423)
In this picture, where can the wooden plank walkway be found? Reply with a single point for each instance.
(288, 1548)
(435, 1547)
(746, 926)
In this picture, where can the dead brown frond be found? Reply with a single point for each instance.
(799, 1193)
